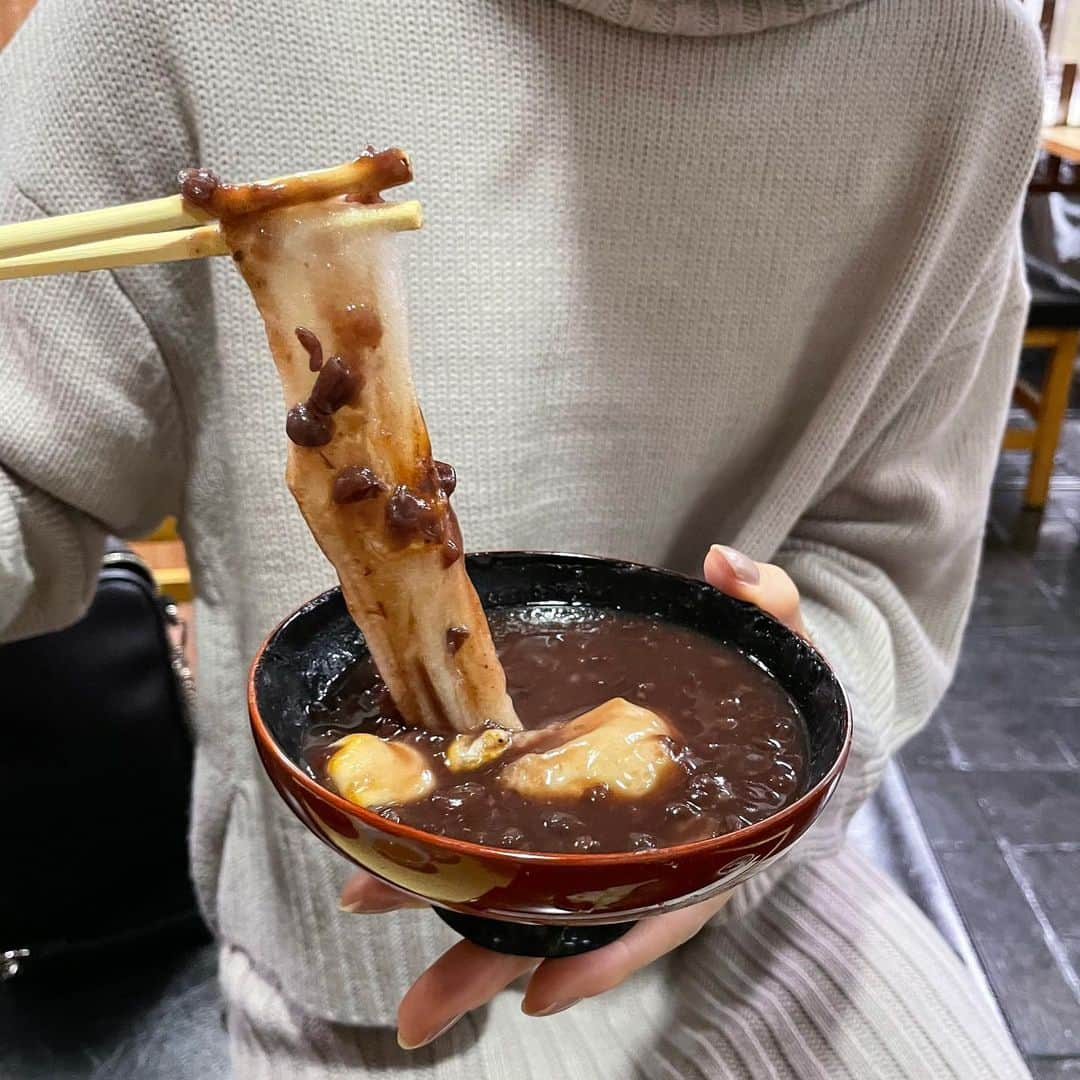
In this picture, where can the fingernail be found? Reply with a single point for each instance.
(429, 1038)
(742, 566)
(556, 1007)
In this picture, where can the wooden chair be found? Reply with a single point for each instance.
(1053, 324)
(164, 554)
(1058, 167)
(12, 14)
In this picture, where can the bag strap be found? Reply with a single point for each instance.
(178, 652)
(119, 555)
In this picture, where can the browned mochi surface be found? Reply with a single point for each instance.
(360, 463)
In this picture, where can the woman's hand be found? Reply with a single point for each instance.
(467, 975)
(763, 584)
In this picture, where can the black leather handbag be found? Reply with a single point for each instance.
(95, 780)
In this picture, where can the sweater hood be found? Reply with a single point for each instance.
(707, 18)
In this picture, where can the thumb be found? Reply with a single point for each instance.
(763, 584)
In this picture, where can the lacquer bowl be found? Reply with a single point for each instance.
(535, 903)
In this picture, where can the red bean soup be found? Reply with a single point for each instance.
(739, 742)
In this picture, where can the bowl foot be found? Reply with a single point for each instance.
(529, 939)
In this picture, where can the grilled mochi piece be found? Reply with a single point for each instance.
(618, 745)
(469, 752)
(370, 771)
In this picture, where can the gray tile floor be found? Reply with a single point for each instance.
(996, 775)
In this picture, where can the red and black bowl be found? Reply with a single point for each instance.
(537, 903)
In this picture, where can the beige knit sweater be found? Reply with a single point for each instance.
(741, 270)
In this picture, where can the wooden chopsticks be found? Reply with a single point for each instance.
(44, 234)
(171, 228)
(175, 245)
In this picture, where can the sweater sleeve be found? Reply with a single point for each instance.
(92, 433)
(91, 439)
(887, 553)
(886, 560)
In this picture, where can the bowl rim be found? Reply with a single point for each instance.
(747, 836)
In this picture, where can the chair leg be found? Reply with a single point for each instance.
(1053, 401)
